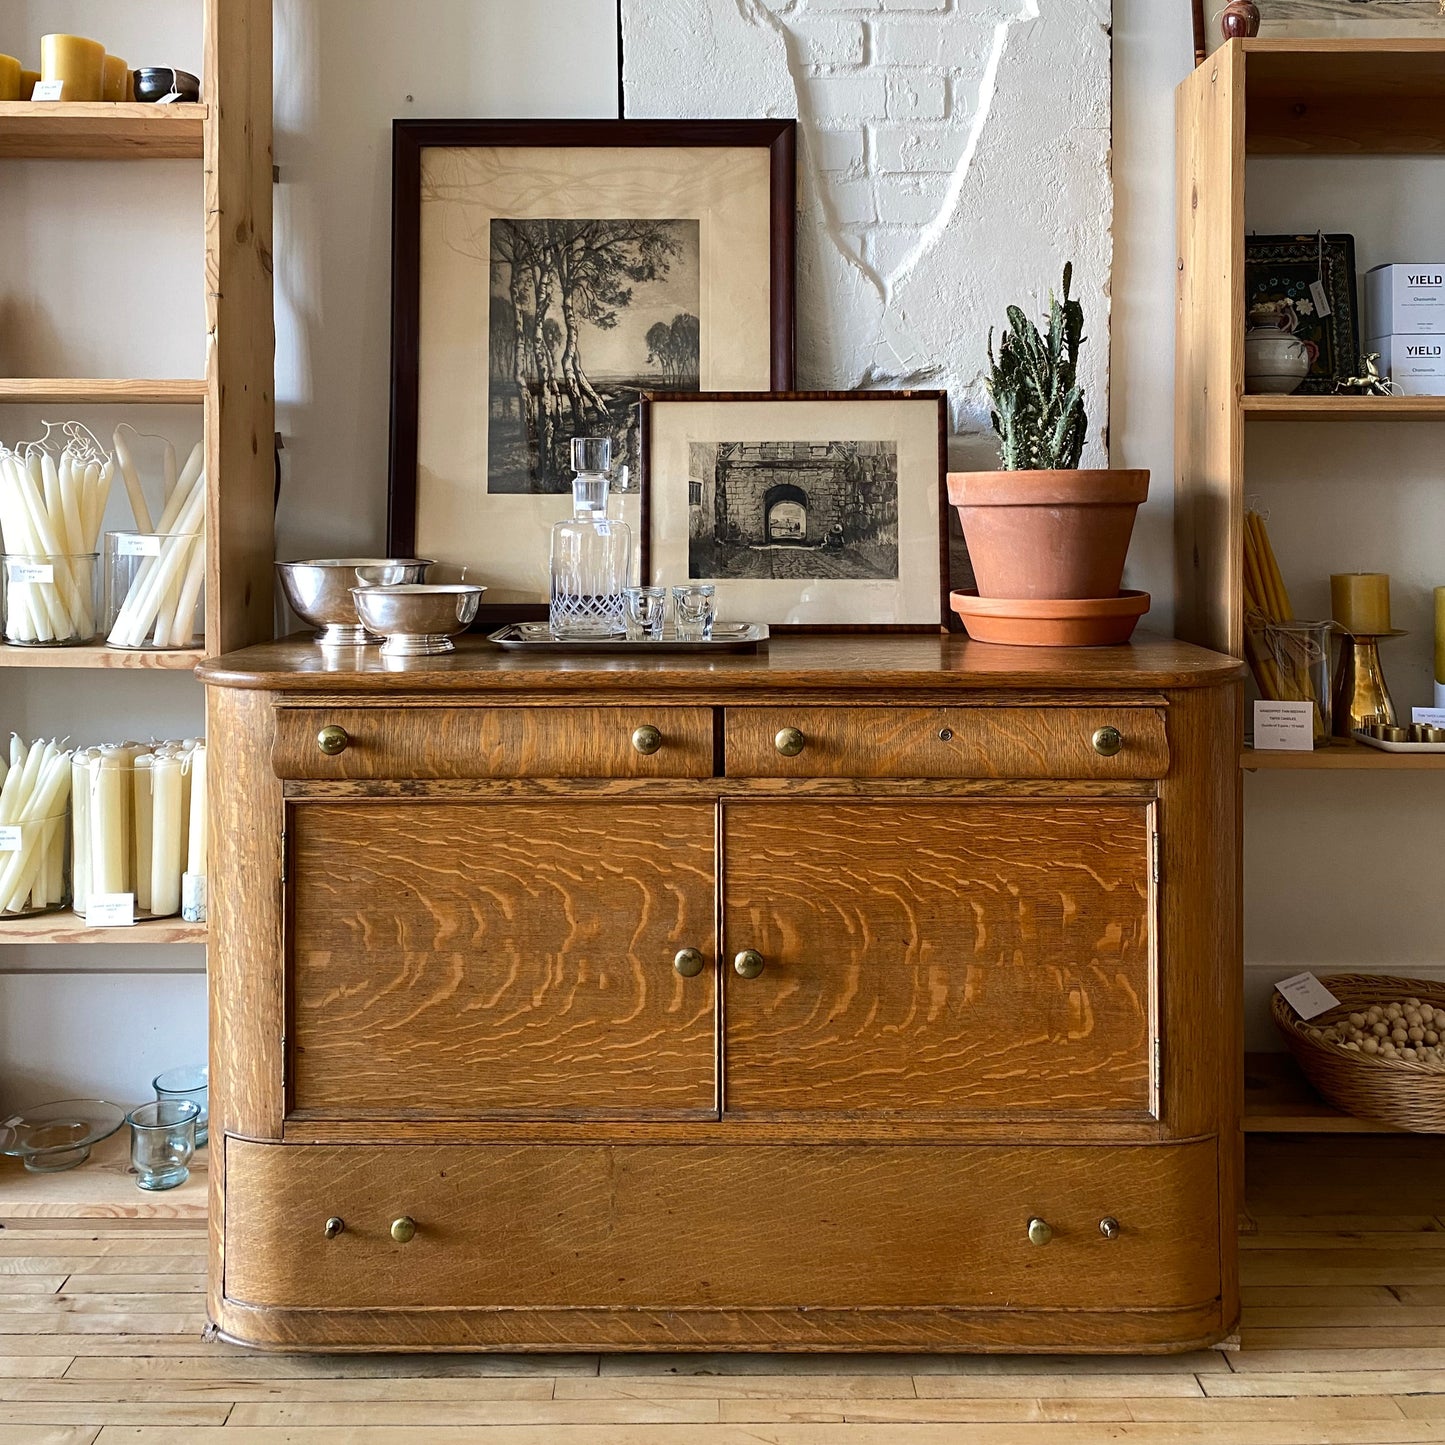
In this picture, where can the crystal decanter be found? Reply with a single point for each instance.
(590, 552)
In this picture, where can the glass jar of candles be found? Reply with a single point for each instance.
(35, 865)
(48, 601)
(153, 590)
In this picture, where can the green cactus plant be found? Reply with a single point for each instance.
(1038, 405)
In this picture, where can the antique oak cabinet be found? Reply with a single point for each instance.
(873, 992)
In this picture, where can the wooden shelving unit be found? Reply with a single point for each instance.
(102, 132)
(101, 1188)
(230, 136)
(67, 928)
(1276, 98)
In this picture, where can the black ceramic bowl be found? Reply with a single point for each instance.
(157, 80)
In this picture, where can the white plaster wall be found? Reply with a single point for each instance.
(954, 154)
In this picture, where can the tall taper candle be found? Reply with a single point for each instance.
(1440, 647)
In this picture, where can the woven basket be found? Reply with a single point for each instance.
(1395, 1091)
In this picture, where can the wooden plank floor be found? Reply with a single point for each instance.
(1343, 1343)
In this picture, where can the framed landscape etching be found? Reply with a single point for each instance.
(810, 509)
(545, 274)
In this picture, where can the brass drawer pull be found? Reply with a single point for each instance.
(748, 964)
(1109, 1227)
(1040, 1231)
(1108, 741)
(333, 1227)
(689, 962)
(333, 740)
(790, 742)
(647, 740)
(403, 1230)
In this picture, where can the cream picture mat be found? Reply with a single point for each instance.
(504, 538)
(912, 599)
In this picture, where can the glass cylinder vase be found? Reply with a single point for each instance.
(48, 601)
(35, 866)
(154, 584)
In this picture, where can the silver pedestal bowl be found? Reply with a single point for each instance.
(418, 619)
(319, 592)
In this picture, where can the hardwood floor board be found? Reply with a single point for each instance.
(112, 1244)
(1344, 1223)
(104, 1264)
(132, 1284)
(109, 1322)
(722, 1387)
(1423, 1337)
(1267, 1407)
(48, 1435)
(112, 1412)
(268, 1392)
(1362, 1266)
(1325, 1241)
(1065, 1384)
(1371, 1317)
(1328, 1381)
(29, 1284)
(779, 1364)
(137, 1343)
(33, 1367)
(1416, 1294)
(432, 1414)
(68, 1303)
(207, 1363)
(1422, 1407)
(1374, 1296)
(901, 1412)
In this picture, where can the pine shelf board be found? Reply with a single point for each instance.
(101, 1188)
(1340, 754)
(184, 660)
(68, 928)
(101, 131)
(1343, 408)
(1277, 1100)
(102, 391)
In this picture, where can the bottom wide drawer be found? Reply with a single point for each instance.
(730, 1226)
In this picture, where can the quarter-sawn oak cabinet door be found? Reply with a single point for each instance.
(948, 957)
(477, 959)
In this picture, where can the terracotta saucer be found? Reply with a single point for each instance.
(1051, 622)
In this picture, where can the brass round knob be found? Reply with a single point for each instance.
(403, 1230)
(1109, 1227)
(333, 740)
(646, 739)
(1108, 741)
(689, 962)
(789, 742)
(333, 1227)
(748, 964)
(1040, 1231)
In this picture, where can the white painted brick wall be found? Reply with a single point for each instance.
(954, 155)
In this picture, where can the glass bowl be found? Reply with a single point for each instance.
(51, 1137)
(190, 1081)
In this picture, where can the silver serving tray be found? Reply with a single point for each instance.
(1385, 747)
(726, 637)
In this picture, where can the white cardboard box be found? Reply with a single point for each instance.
(1416, 364)
(1405, 299)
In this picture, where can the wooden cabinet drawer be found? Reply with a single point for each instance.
(465, 960)
(733, 1226)
(945, 742)
(959, 958)
(494, 742)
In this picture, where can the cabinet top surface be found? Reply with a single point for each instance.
(843, 663)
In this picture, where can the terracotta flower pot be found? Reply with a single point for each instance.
(1048, 534)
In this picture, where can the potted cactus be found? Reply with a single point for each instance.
(1042, 528)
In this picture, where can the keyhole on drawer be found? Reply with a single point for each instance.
(945, 735)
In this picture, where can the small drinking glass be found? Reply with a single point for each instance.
(190, 1081)
(162, 1142)
(646, 611)
(693, 610)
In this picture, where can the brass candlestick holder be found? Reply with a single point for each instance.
(1362, 695)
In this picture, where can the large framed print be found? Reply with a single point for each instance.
(809, 510)
(544, 274)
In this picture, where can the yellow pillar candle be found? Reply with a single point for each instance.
(1360, 602)
(115, 79)
(28, 81)
(77, 63)
(11, 77)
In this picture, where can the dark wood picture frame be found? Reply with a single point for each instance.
(411, 137)
(940, 398)
(1278, 268)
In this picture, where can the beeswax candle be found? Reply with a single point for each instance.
(167, 835)
(1360, 602)
(115, 79)
(11, 78)
(29, 79)
(77, 63)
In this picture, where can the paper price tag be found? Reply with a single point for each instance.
(1284, 727)
(1433, 717)
(1306, 995)
(32, 572)
(110, 910)
(1321, 298)
(49, 90)
(138, 546)
(10, 838)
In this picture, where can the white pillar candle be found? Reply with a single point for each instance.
(109, 823)
(196, 840)
(80, 829)
(166, 837)
(144, 827)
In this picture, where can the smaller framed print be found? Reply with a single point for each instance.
(804, 509)
(1312, 279)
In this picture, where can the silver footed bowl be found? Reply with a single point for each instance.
(418, 619)
(319, 592)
